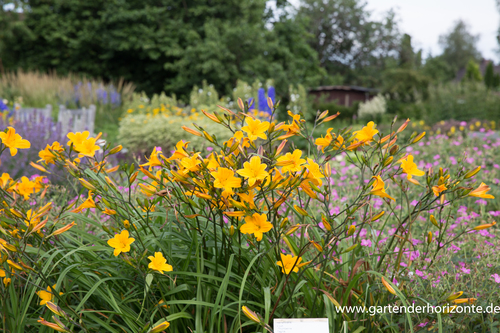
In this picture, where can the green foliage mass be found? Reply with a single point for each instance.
(461, 101)
(173, 45)
(141, 133)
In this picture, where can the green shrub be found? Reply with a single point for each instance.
(461, 101)
(140, 133)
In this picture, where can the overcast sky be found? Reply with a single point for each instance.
(425, 20)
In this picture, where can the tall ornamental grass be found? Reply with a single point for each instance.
(227, 241)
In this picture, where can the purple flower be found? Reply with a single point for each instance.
(496, 277)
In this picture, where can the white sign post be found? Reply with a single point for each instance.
(302, 325)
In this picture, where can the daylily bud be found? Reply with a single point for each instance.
(115, 150)
(484, 226)
(323, 115)
(208, 137)
(403, 126)
(161, 327)
(433, 220)
(472, 173)
(191, 131)
(231, 230)
(317, 246)
(388, 161)
(379, 215)
(331, 117)
(250, 314)
(292, 230)
(350, 248)
(241, 105)
(284, 222)
(133, 177)
(326, 224)
(63, 229)
(454, 296)
(464, 300)
(270, 103)
(281, 146)
(211, 116)
(388, 286)
(418, 138)
(394, 149)
(429, 237)
(351, 230)
(300, 210)
(56, 309)
(39, 167)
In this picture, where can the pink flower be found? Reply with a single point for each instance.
(366, 242)
(421, 274)
(465, 270)
(496, 277)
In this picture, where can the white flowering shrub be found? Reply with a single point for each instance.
(375, 107)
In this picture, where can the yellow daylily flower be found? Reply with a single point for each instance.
(366, 133)
(13, 141)
(46, 295)
(255, 128)
(77, 138)
(378, 188)
(291, 162)
(410, 168)
(121, 242)
(225, 179)
(159, 263)
(253, 170)
(289, 263)
(480, 192)
(257, 225)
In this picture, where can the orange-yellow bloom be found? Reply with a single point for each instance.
(27, 187)
(225, 179)
(378, 188)
(46, 296)
(253, 170)
(314, 173)
(289, 263)
(153, 159)
(410, 168)
(88, 203)
(438, 189)
(159, 263)
(121, 242)
(324, 142)
(180, 151)
(255, 128)
(4, 180)
(191, 163)
(47, 156)
(291, 162)
(480, 192)
(13, 141)
(256, 224)
(87, 147)
(366, 133)
(77, 138)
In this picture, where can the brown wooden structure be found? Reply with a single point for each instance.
(343, 95)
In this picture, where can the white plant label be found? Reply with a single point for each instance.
(302, 325)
